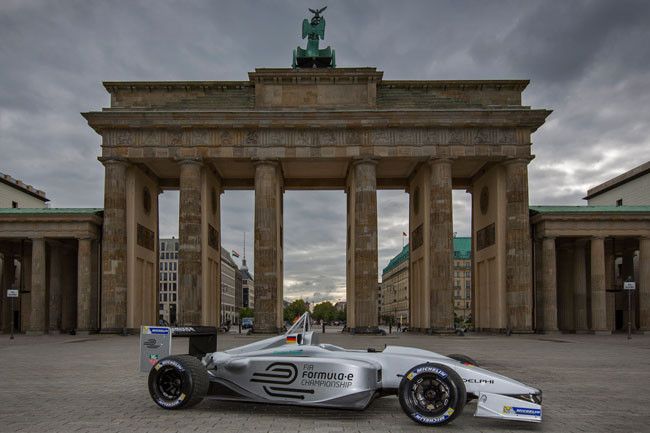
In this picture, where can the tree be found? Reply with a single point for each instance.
(246, 312)
(296, 308)
(325, 311)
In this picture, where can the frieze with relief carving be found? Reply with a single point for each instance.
(233, 137)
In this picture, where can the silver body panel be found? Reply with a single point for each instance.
(277, 370)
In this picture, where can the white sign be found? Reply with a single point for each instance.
(12, 293)
(629, 285)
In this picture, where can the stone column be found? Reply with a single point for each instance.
(441, 247)
(549, 286)
(84, 284)
(189, 236)
(364, 220)
(268, 246)
(610, 275)
(644, 284)
(55, 296)
(38, 288)
(519, 300)
(580, 287)
(114, 249)
(598, 294)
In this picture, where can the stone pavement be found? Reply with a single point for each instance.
(74, 383)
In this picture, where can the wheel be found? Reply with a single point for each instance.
(178, 382)
(463, 358)
(432, 394)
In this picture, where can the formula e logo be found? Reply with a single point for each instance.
(152, 344)
(277, 377)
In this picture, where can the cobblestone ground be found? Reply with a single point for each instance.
(74, 383)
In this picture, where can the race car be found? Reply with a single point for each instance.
(293, 369)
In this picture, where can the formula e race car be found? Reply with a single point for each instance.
(294, 369)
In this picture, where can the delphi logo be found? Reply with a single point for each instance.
(277, 377)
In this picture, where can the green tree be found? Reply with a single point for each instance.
(246, 312)
(296, 308)
(325, 311)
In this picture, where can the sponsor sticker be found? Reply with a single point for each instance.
(514, 410)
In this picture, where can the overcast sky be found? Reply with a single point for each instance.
(589, 61)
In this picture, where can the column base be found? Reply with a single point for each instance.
(601, 332)
(82, 332)
(552, 332)
(268, 331)
(121, 331)
(34, 333)
(368, 330)
(582, 331)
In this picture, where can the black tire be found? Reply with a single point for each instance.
(432, 394)
(464, 359)
(178, 382)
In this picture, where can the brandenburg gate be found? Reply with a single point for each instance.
(317, 128)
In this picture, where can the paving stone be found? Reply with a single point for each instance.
(590, 384)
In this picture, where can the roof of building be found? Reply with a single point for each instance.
(225, 256)
(51, 211)
(23, 187)
(629, 175)
(462, 251)
(588, 209)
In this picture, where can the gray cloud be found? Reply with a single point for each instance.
(587, 60)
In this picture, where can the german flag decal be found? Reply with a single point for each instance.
(291, 339)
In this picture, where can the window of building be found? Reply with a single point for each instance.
(162, 246)
(14, 204)
(619, 202)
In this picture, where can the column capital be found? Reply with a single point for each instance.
(266, 161)
(510, 161)
(118, 160)
(549, 238)
(357, 161)
(440, 160)
(189, 160)
(597, 238)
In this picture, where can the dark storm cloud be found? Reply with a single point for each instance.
(589, 61)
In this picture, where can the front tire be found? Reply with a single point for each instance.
(432, 394)
(178, 382)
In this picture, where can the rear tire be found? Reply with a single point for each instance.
(463, 358)
(178, 382)
(432, 394)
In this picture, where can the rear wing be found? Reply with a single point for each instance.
(156, 342)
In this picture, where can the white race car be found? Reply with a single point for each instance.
(294, 369)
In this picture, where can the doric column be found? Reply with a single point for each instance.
(598, 294)
(610, 275)
(518, 248)
(549, 286)
(38, 287)
(268, 246)
(580, 287)
(84, 284)
(364, 187)
(114, 249)
(55, 296)
(441, 247)
(189, 236)
(644, 284)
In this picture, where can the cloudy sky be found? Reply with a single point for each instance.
(589, 61)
